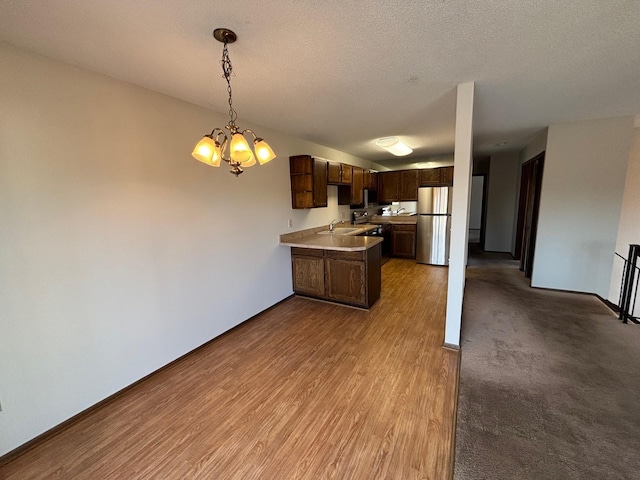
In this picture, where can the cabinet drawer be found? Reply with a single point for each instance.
(307, 252)
(404, 228)
(339, 255)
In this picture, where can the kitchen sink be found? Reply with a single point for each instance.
(339, 231)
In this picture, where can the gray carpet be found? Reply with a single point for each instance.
(549, 383)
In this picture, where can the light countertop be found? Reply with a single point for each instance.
(311, 239)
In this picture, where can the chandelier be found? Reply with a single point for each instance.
(233, 148)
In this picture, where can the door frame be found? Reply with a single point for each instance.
(483, 216)
(528, 212)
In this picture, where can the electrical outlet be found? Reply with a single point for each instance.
(290, 223)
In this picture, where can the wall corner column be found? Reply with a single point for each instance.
(463, 169)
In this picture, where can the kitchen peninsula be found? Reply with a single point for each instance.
(341, 268)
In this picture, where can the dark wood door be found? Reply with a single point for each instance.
(403, 241)
(373, 182)
(370, 180)
(308, 274)
(446, 176)
(346, 281)
(430, 177)
(319, 182)
(334, 176)
(389, 187)
(346, 174)
(522, 211)
(532, 173)
(357, 187)
(409, 181)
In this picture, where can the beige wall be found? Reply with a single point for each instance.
(582, 186)
(118, 251)
(629, 228)
(537, 145)
(502, 201)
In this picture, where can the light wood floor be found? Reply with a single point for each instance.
(307, 390)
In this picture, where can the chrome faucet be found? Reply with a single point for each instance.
(332, 224)
(400, 210)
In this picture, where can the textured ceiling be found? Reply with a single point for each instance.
(344, 73)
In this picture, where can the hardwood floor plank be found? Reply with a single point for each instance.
(307, 390)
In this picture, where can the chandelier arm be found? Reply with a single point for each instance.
(248, 130)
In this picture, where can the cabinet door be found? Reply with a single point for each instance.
(334, 173)
(403, 241)
(345, 281)
(346, 174)
(430, 177)
(389, 187)
(446, 175)
(308, 275)
(373, 182)
(357, 187)
(319, 183)
(409, 185)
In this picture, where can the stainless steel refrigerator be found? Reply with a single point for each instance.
(434, 225)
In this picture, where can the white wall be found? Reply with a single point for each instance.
(629, 228)
(475, 210)
(460, 212)
(536, 146)
(118, 251)
(582, 185)
(502, 201)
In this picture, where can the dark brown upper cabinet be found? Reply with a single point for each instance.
(370, 180)
(430, 177)
(409, 181)
(353, 194)
(308, 181)
(388, 187)
(434, 177)
(338, 174)
(398, 186)
(334, 176)
(446, 175)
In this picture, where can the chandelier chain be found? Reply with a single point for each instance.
(227, 69)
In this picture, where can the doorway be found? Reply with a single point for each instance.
(528, 210)
(477, 210)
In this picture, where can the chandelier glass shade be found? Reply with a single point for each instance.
(232, 147)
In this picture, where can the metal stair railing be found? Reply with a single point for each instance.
(629, 285)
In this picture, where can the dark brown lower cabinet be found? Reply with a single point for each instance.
(307, 267)
(403, 241)
(352, 278)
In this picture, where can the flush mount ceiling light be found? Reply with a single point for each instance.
(212, 148)
(394, 145)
